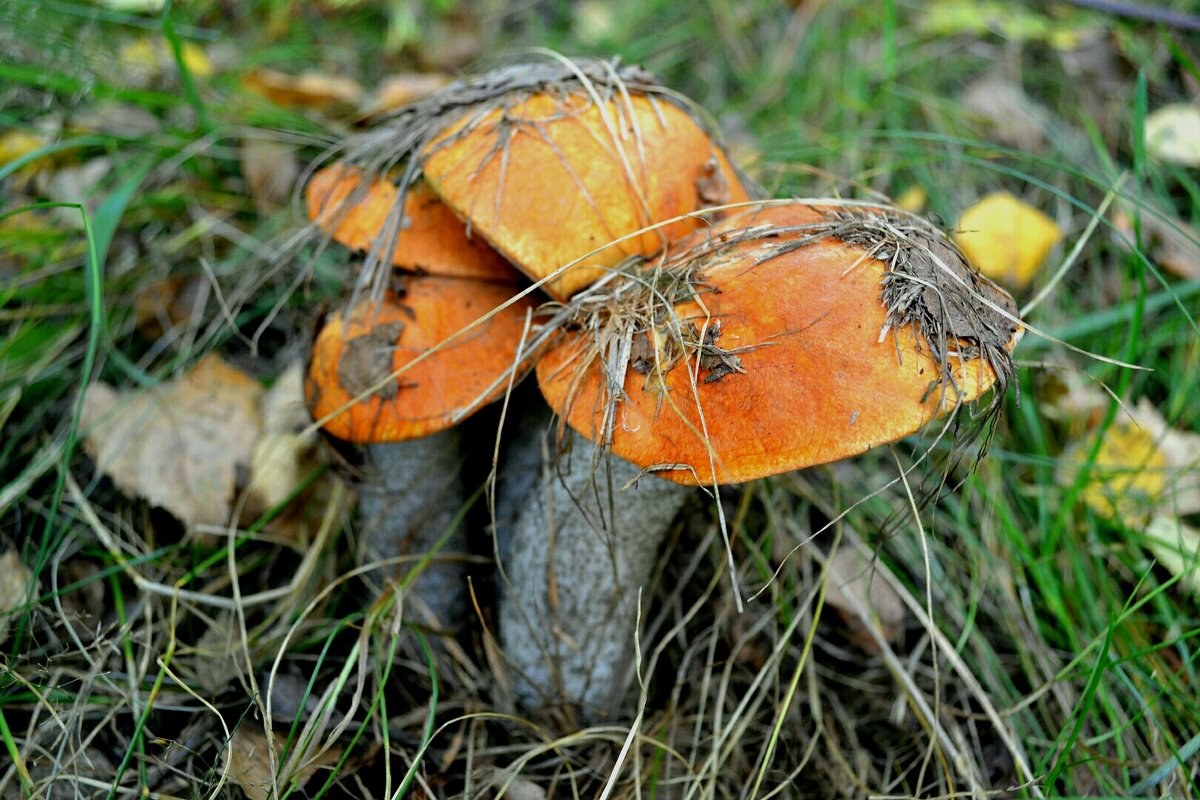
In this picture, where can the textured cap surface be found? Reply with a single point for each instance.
(805, 335)
(356, 352)
(554, 176)
(355, 211)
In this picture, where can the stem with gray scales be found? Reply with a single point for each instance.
(408, 499)
(576, 550)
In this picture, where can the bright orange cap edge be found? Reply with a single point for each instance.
(353, 209)
(562, 187)
(818, 386)
(357, 351)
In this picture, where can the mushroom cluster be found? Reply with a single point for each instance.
(695, 336)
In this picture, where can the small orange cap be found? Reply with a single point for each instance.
(356, 352)
(354, 210)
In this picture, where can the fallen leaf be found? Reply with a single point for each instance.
(449, 43)
(181, 444)
(283, 458)
(1181, 452)
(1143, 466)
(913, 199)
(86, 606)
(217, 657)
(16, 581)
(1013, 118)
(1172, 244)
(146, 59)
(1177, 547)
(16, 143)
(1173, 134)
(1101, 79)
(195, 59)
(77, 184)
(1127, 479)
(251, 766)
(509, 784)
(115, 118)
(1006, 239)
(401, 90)
(161, 306)
(993, 17)
(1073, 399)
(853, 584)
(310, 90)
(595, 22)
(270, 169)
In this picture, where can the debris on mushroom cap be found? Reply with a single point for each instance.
(361, 212)
(552, 178)
(785, 337)
(551, 160)
(355, 353)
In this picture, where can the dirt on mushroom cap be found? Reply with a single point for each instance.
(352, 378)
(533, 153)
(785, 337)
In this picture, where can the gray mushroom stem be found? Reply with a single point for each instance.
(575, 554)
(408, 500)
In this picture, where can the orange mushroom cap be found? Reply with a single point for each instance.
(548, 178)
(354, 209)
(350, 373)
(792, 336)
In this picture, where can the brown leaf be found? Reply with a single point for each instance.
(401, 90)
(251, 766)
(180, 444)
(854, 584)
(15, 586)
(162, 305)
(270, 169)
(316, 91)
(1173, 244)
(1014, 119)
(283, 457)
(450, 43)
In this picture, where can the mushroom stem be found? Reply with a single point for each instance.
(408, 501)
(576, 556)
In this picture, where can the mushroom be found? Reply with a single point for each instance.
(548, 162)
(396, 374)
(787, 336)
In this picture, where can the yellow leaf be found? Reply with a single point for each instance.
(181, 444)
(1173, 134)
(196, 60)
(1126, 482)
(16, 144)
(912, 199)
(1006, 239)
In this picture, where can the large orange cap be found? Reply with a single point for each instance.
(357, 351)
(355, 209)
(795, 350)
(552, 177)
